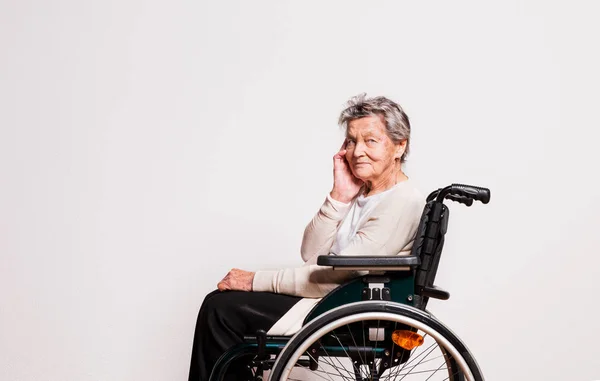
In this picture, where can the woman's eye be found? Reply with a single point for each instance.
(371, 141)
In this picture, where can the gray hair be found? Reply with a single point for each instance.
(397, 124)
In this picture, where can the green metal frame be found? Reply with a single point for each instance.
(401, 285)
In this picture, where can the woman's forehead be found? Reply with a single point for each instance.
(366, 126)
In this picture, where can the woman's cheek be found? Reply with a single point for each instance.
(349, 153)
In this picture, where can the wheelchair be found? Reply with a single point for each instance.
(376, 326)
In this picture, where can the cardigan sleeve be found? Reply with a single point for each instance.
(308, 281)
(319, 234)
(390, 231)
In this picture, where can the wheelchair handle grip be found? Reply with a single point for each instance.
(471, 191)
(468, 201)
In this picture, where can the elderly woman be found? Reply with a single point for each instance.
(372, 209)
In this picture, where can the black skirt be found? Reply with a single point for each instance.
(224, 318)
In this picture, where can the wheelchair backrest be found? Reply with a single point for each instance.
(428, 244)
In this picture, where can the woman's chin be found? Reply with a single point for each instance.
(362, 173)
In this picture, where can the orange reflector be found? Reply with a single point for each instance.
(407, 339)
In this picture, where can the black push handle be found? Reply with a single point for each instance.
(463, 200)
(470, 191)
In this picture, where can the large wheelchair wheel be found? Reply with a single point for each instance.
(375, 340)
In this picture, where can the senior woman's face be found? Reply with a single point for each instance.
(369, 150)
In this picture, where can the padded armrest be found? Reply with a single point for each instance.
(368, 262)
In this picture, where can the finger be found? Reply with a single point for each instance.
(340, 154)
(222, 286)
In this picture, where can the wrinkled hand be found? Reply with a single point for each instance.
(237, 280)
(345, 184)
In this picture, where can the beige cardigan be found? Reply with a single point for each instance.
(389, 229)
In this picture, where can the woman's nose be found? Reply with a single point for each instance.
(359, 150)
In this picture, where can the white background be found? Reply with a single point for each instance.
(147, 147)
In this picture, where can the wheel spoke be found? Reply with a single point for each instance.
(411, 357)
(375, 351)
(356, 345)
(331, 364)
(344, 348)
(316, 371)
(425, 371)
(435, 371)
(453, 374)
(393, 346)
(414, 366)
(364, 346)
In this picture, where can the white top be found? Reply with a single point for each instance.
(357, 214)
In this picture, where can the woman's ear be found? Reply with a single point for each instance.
(400, 148)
